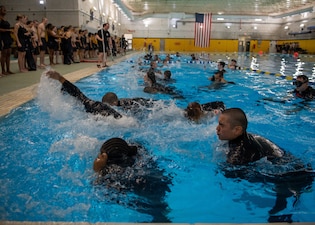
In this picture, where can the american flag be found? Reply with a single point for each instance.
(203, 30)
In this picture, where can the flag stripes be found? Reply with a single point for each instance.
(203, 29)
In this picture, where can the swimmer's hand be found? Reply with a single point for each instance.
(55, 75)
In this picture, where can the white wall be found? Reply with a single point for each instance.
(77, 13)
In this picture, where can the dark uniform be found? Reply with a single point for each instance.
(308, 94)
(91, 106)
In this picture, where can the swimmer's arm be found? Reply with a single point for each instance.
(68, 86)
(56, 76)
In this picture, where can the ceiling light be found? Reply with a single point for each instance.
(258, 19)
(41, 2)
(220, 18)
(286, 27)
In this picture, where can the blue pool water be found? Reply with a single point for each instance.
(47, 147)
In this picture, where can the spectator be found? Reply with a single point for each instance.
(5, 42)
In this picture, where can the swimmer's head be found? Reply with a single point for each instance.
(110, 98)
(221, 64)
(115, 151)
(167, 75)
(301, 83)
(232, 124)
(194, 111)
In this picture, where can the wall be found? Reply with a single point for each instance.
(159, 27)
(66, 12)
(217, 45)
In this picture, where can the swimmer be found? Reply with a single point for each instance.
(196, 111)
(303, 90)
(115, 151)
(243, 147)
(153, 87)
(218, 80)
(126, 103)
(167, 75)
(293, 178)
(167, 78)
(91, 106)
(233, 65)
(193, 57)
(221, 66)
(123, 168)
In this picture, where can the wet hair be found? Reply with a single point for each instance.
(119, 152)
(167, 74)
(237, 117)
(110, 98)
(194, 111)
(104, 24)
(233, 60)
(222, 63)
(303, 77)
(49, 26)
(19, 16)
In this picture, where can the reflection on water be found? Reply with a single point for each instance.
(47, 147)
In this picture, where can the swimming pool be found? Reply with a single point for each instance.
(47, 147)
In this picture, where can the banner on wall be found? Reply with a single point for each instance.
(203, 29)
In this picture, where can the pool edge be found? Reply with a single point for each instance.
(112, 223)
(14, 99)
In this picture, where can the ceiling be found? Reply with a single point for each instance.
(145, 8)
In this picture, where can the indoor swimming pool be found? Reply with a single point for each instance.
(48, 145)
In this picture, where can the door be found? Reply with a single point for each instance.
(162, 45)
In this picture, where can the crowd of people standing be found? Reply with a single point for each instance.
(65, 44)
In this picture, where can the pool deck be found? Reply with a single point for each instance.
(19, 88)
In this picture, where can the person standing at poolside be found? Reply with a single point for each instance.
(6, 42)
(123, 45)
(35, 40)
(303, 90)
(42, 41)
(21, 34)
(103, 38)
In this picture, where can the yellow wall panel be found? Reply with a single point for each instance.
(187, 45)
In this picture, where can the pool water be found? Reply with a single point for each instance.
(47, 147)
